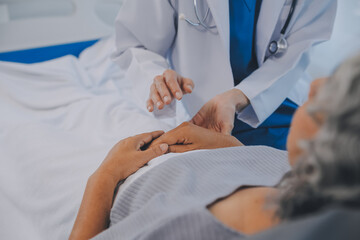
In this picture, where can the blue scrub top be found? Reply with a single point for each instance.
(243, 19)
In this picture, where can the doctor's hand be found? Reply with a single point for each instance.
(218, 114)
(166, 87)
(188, 137)
(127, 156)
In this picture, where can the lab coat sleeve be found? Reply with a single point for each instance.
(144, 32)
(271, 83)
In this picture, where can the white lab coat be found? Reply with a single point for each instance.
(150, 38)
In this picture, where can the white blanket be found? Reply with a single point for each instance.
(58, 120)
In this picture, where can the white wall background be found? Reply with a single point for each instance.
(34, 23)
(345, 41)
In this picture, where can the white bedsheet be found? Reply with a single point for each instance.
(58, 120)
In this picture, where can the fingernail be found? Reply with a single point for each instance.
(158, 104)
(166, 99)
(178, 95)
(149, 108)
(190, 88)
(163, 147)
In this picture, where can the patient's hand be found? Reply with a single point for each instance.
(127, 156)
(188, 136)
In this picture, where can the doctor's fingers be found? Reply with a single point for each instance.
(169, 138)
(151, 153)
(187, 85)
(173, 80)
(162, 89)
(181, 148)
(178, 135)
(141, 140)
(226, 128)
(198, 120)
(155, 97)
(150, 105)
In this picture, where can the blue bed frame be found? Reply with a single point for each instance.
(46, 53)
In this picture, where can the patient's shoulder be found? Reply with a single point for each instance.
(246, 210)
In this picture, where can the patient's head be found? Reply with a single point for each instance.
(329, 172)
(304, 125)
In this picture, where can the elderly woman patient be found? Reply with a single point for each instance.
(229, 193)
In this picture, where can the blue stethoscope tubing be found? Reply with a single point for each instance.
(275, 47)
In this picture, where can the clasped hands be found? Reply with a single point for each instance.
(130, 154)
(210, 128)
(217, 114)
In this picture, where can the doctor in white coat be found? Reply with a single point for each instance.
(222, 66)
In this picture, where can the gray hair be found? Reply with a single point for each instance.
(329, 172)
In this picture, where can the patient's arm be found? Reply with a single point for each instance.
(125, 158)
(188, 136)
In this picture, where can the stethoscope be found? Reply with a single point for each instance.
(200, 22)
(275, 47)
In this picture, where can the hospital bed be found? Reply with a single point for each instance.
(62, 113)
